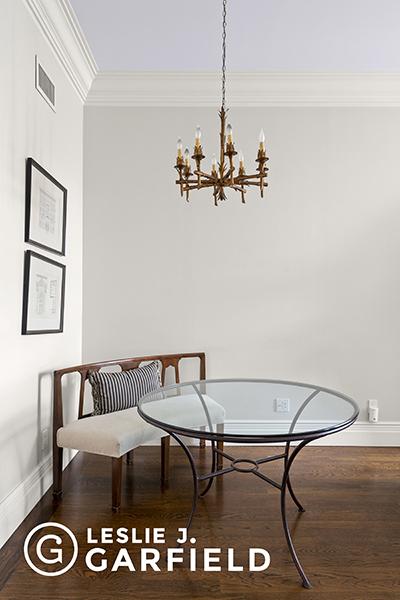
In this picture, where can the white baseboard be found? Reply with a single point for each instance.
(18, 504)
(362, 433)
(21, 500)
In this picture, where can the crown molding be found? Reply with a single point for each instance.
(59, 25)
(245, 89)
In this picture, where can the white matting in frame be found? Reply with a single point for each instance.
(45, 209)
(43, 297)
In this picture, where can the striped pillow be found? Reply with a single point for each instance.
(121, 390)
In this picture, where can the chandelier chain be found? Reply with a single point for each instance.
(223, 51)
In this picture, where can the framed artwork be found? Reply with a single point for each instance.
(45, 209)
(43, 296)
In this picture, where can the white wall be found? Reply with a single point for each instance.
(302, 285)
(29, 127)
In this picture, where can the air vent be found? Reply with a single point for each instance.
(45, 86)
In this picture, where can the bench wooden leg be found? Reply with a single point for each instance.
(57, 471)
(129, 458)
(116, 483)
(165, 445)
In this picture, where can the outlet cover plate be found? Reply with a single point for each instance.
(282, 405)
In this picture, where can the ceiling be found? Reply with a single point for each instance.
(263, 35)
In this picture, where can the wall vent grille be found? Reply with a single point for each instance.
(44, 85)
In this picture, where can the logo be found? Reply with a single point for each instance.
(49, 549)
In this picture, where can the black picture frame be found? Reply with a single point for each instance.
(26, 330)
(31, 164)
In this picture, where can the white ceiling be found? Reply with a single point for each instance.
(263, 35)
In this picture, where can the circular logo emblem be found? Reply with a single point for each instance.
(49, 549)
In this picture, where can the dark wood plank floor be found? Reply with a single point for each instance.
(348, 538)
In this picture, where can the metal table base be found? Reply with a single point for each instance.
(246, 465)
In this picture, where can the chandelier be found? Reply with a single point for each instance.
(223, 173)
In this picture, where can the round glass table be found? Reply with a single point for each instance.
(248, 411)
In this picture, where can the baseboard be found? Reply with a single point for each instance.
(18, 504)
(21, 500)
(362, 433)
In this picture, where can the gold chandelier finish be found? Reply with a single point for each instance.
(224, 173)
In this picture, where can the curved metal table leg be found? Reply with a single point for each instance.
(289, 483)
(285, 480)
(285, 485)
(195, 477)
(211, 480)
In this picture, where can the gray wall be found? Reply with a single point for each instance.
(29, 127)
(302, 285)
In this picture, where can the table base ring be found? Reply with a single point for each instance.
(235, 464)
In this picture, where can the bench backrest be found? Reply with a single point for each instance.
(166, 360)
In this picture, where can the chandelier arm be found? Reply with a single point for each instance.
(189, 187)
(237, 188)
(194, 182)
(257, 176)
(205, 175)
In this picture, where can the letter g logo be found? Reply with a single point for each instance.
(55, 553)
(58, 553)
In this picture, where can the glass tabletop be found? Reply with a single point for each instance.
(248, 410)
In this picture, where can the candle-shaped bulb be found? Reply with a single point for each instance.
(229, 133)
(262, 139)
(187, 157)
(179, 147)
(214, 164)
(241, 160)
(197, 140)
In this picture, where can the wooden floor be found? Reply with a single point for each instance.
(348, 539)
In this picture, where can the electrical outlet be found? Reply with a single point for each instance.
(373, 411)
(282, 405)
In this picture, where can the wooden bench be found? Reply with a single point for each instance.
(114, 434)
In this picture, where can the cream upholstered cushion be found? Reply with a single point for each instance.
(115, 434)
(112, 434)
